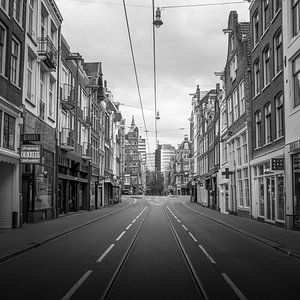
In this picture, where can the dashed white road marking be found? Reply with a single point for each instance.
(184, 227)
(191, 235)
(76, 286)
(105, 253)
(120, 236)
(234, 287)
(207, 255)
(133, 221)
(178, 221)
(128, 226)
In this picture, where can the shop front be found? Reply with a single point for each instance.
(268, 193)
(296, 188)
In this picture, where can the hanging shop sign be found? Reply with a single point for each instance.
(31, 154)
(277, 164)
(30, 137)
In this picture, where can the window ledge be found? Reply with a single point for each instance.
(267, 144)
(275, 16)
(30, 102)
(258, 148)
(3, 76)
(264, 34)
(256, 96)
(255, 46)
(277, 75)
(18, 87)
(265, 87)
(19, 24)
(51, 119)
(279, 138)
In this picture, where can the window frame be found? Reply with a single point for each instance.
(15, 70)
(266, 66)
(265, 15)
(8, 128)
(4, 8)
(268, 123)
(279, 116)
(242, 99)
(295, 7)
(255, 27)
(278, 51)
(295, 74)
(258, 127)
(3, 49)
(256, 74)
(18, 19)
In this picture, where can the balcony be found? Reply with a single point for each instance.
(67, 96)
(86, 151)
(87, 116)
(67, 139)
(48, 52)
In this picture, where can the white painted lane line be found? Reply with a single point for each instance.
(191, 235)
(133, 221)
(178, 221)
(184, 227)
(76, 286)
(128, 226)
(120, 236)
(207, 255)
(234, 287)
(105, 253)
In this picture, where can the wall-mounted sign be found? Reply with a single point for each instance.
(277, 164)
(30, 137)
(31, 154)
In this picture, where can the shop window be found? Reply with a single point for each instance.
(240, 187)
(9, 132)
(280, 197)
(246, 188)
(261, 196)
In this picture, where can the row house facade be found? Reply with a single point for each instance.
(133, 162)
(61, 136)
(291, 67)
(267, 112)
(12, 48)
(234, 170)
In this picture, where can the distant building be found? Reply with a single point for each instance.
(150, 161)
(142, 148)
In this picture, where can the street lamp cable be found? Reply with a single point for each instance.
(135, 72)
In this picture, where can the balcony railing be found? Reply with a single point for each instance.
(67, 139)
(67, 96)
(86, 151)
(47, 50)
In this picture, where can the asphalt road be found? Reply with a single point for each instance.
(156, 248)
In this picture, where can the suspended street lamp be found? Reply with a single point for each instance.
(157, 21)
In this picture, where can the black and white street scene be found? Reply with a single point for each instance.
(149, 149)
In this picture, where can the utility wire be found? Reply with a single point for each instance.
(154, 72)
(204, 4)
(135, 72)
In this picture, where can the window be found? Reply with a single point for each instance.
(256, 78)
(268, 137)
(15, 62)
(278, 55)
(31, 23)
(266, 59)
(238, 151)
(9, 132)
(224, 152)
(255, 27)
(276, 6)
(51, 98)
(296, 80)
(44, 20)
(242, 97)
(4, 5)
(296, 16)
(279, 115)
(233, 68)
(230, 112)
(240, 187)
(42, 95)
(245, 148)
(0, 126)
(2, 48)
(258, 129)
(265, 16)
(53, 33)
(246, 188)
(236, 104)
(18, 10)
(30, 80)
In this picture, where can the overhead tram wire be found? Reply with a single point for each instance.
(135, 73)
(203, 4)
(154, 72)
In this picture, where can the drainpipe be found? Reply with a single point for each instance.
(55, 181)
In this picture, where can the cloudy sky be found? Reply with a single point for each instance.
(190, 47)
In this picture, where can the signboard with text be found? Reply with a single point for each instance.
(31, 154)
(277, 164)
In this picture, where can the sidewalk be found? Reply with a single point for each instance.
(17, 241)
(287, 241)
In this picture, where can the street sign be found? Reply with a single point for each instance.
(277, 164)
(31, 154)
(227, 173)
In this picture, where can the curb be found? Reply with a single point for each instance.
(265, 241)
(58, 235)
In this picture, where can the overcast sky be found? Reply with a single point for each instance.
(190, 47)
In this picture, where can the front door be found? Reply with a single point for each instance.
(270, 198)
